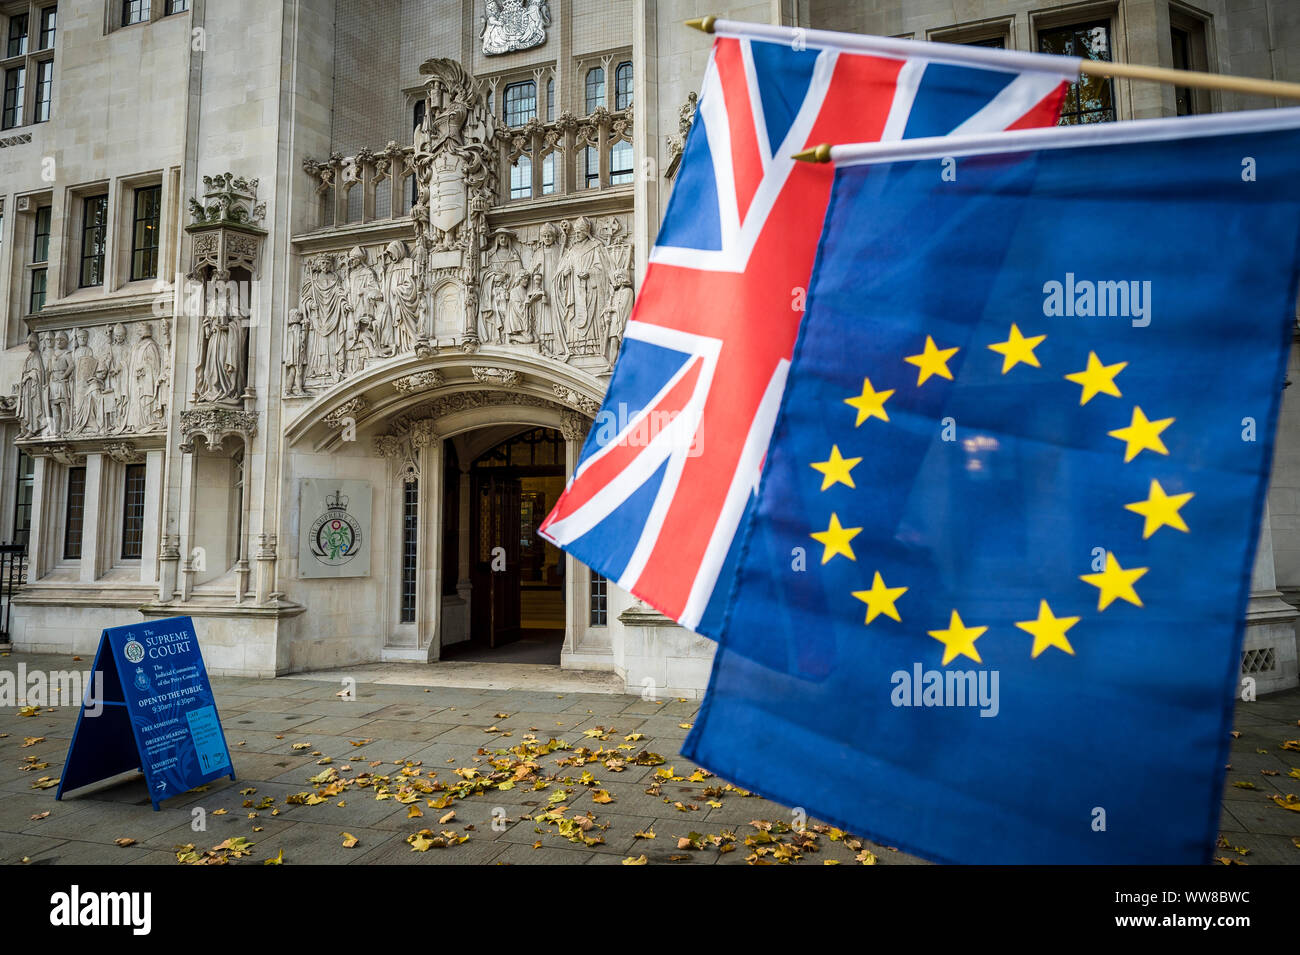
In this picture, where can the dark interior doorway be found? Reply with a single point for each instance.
(517, 605)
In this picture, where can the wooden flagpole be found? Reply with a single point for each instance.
(1135, 71)
(1207, 81)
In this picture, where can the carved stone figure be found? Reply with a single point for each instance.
(295, 354)
(220, 372)
(364, 337)
(551, 334)
(521, 312)
(617, 312)
(115, 371)
(503, 264)
(144, 373)
(321, 301)
(89, 415)
(33, 400)
(162, 392)
(402, 298)
(514, 25)
(579, 289)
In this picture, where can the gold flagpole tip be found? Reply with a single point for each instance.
(703, 24)
(820, 153)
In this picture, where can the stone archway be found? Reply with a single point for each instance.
(431, 500)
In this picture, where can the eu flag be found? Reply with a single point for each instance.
(991, 601)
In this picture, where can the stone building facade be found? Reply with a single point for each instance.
(308, 305)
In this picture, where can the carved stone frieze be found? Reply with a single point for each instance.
(564, 291)
(95, 382)
(404, 423)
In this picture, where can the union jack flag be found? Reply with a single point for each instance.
(673, 460)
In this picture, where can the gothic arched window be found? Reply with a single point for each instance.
(521, 179)
(620, 163)
(520, 103)
(548, 173)
(595, 88)
(623, 86)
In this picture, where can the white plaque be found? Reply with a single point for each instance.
(334, 528)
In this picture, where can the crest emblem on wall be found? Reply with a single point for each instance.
(335, 535)
(511, 25)
(334, 540)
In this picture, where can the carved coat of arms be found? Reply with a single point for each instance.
(511, 25)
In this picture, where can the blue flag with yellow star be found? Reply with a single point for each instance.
(990, 605)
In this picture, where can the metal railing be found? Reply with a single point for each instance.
(12, 561)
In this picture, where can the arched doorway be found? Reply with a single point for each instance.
(517, 611)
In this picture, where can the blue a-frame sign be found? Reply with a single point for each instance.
(158, 714)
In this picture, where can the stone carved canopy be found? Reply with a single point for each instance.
(214, 425)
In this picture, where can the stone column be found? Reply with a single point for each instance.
(645, 138)
(91, 522)
(43, 504)
(575, 599)
(428, 595)
(566, 84)
(189, 477)
(153, 470)
(265, 581)
(1270, 621)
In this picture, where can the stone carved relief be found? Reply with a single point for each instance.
(574, 426)
(420, 381)
(94, 382)
(564, 292)
(510, 25)
(124, 452)
(677, 141)
(444, 405)
(576, 399)
(346, 413)
(503, 377)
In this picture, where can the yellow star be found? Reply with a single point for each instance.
(1048, 630)
(932, 361)
(958, 640)
(1018, 349)
(1115, 582)
(1097, 379)
(880, 599)
(1160, 510)
(838, 470)
(836, 539)
(1142, 435)
(870, 404)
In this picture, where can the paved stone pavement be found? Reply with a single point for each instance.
(442, 729)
